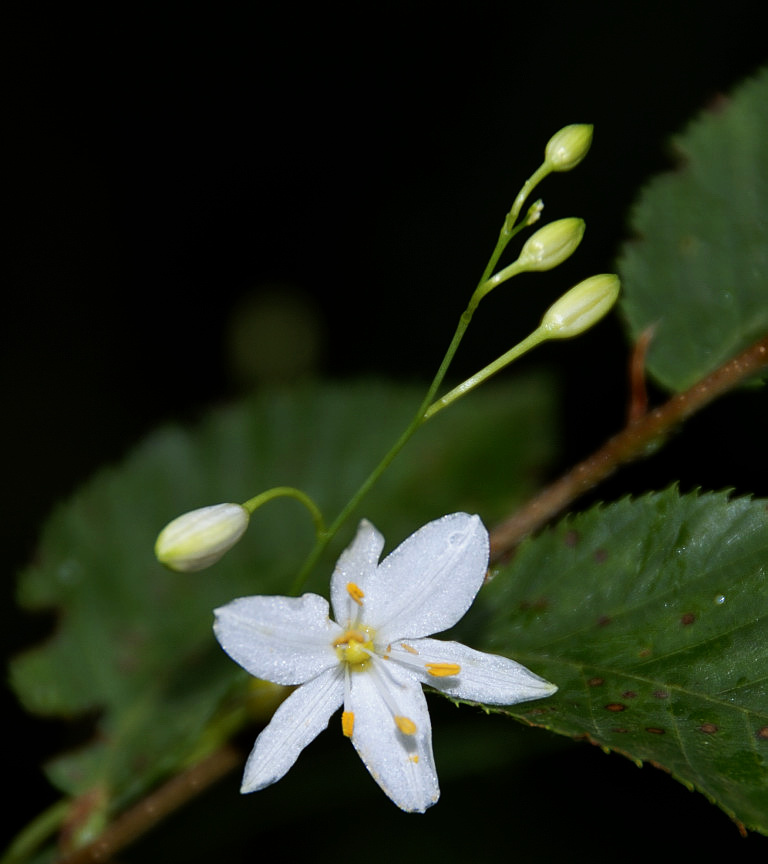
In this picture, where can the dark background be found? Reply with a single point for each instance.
(166, 167)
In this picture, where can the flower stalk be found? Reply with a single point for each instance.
(546, 248)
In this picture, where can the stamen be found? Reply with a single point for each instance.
(408, 648)
(405, 725)
(347, 722)
(414, 758)
(355, 593)
(443, 670)
(387, 689)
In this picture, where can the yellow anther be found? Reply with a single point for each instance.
(347, 723)
(355, 593)
(414, 758)
(443, 670)
(408, 648)
(405, 725)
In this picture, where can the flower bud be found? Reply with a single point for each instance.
(534, 212)
(581, 307)
(566, 148)
(551, 245)
(199, 538)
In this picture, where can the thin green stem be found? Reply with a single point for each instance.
(427, 409)
(289, 492)
(36, 833)
(418, 418)
(536, 338)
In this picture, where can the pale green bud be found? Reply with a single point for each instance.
(566, 148)
(199, 538)
(534, 212)
(581, 307)
(552, 244)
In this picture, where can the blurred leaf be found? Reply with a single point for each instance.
(698, 270)
(651, 617)
(133, 649)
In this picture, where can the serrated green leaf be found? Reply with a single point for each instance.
(698, 270)
(651, 617)
(134, 647)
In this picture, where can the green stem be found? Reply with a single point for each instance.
(36, 833)
(427, 409)
(289, 492)
(419, 417)
(536, 338)
(544, 170)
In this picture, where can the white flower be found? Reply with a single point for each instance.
(375, 659)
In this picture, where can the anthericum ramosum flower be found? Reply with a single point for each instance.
(551, 245)
(374, 657)
(199, 538)
(581, 307)
(566, 148)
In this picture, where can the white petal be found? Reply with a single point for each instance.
(286, 640)
(428, 583)
(356, 564)
(488, 678)
(299, 720)
(403, 765)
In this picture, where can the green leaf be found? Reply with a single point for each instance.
(133, 648)
(698, 270)
(651, 617)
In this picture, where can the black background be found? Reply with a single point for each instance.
(165, 164)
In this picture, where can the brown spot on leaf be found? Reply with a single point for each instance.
(654, 730)
(619, 730)
(600, 556)
(708, 728)
(629, 694)
(535, 605)
(615, 706)
(687, 619)
(596, 682)
(603, 620)
(571, 538)
(661, 694)
(644, 652)
(762, 733)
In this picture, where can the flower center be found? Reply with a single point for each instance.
(355, 648)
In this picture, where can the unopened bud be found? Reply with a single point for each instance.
(566, 148)
(581, 307)
(552, 244)
(534, 212)
(199, 538)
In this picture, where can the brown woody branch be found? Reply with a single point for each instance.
(630, 444)
(155, 807)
